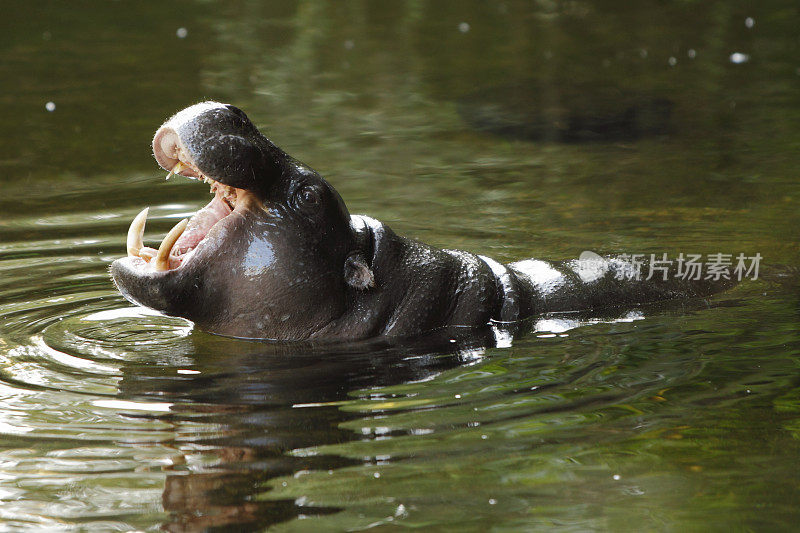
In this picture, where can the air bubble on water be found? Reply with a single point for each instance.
(738, 57)
(749, 22)
(181, 33)
(463, 27)
(692, 53)
(50, 106)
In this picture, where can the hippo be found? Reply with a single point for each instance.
(276, 255)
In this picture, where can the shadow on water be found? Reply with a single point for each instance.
(537, 111)
(264, 400)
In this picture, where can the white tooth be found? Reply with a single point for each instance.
(161, 261)
(177, 168)
(135, 233)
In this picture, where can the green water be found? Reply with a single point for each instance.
(112, 418)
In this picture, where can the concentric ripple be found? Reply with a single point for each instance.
(70, 438)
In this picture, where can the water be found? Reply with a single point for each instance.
(113, 418)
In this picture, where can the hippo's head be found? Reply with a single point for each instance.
(273, 255)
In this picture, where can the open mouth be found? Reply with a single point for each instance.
(189, 234)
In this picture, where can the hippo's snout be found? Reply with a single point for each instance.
(215, 143)
(218, 141)
(218, 144)
(275, 236)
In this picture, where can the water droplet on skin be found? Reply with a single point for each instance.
(181, 33)
(50, 106)
(463, 27)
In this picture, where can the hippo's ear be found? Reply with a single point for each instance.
(357, 272)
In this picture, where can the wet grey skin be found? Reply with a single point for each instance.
(289, 262)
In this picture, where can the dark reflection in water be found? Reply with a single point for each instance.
(534, 111)
(264, 400)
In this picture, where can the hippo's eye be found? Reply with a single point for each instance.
(307, 197)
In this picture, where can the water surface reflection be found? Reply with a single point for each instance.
(257, 402)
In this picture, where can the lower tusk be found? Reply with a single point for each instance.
(177, 168)
(135, 233)
(161, 261)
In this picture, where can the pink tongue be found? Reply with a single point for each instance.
(200, 224)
